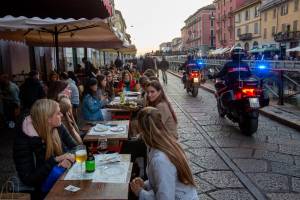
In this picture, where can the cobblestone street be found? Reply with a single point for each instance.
(228, 165)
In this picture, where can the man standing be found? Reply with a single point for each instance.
(164, 66)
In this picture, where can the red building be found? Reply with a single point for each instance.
(224, 22)
(198, 34)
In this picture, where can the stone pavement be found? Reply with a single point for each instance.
(229, 165)
(286, 114)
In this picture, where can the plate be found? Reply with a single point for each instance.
(100, 128)
(117, 129)
(113, 170)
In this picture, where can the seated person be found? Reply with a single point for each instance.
(149, 73)
(92, 104)
(157, 98)
(126, 83)
(169, 175)
(101, 91)
(68, 119)
(41, 144)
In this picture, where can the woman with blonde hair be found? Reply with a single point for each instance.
(169, 175)
(68, 119)
(41, 144)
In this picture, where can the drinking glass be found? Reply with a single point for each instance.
(81, 156)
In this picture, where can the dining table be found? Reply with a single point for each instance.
(113, 185)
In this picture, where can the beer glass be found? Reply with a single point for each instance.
(81, 156)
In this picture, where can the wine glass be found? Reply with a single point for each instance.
(81, 156)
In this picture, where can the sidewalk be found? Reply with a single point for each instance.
(287, 114)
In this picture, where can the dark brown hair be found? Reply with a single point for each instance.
(55, 88)
(162, 97)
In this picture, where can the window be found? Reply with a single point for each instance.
(296, 5)
(239, 18)
(273, 30)
(274, 13)
(211, 22)
(238, 32)
(256, 11)
(247, 15)
(295, 25)
(265, 33)
(256, 28)
(247, 29)
(284, 9)
(283, 27)
(266, 16)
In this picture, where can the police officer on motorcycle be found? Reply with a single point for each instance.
(186, 68)
(234, 69)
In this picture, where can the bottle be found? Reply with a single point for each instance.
(90, 164)
(122, 97)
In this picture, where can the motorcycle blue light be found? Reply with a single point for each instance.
(262, 67)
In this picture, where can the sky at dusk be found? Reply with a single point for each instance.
(151, 22)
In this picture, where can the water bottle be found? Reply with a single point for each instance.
(54, 175)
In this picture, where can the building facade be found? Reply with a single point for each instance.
(224, 23)
(176, 44)
(165, 47)
(280, 23)
(247, 25)
(198, 34)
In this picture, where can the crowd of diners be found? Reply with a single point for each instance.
(48, 129)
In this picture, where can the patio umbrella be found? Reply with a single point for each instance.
(294, 49)
(95, 33)
(65, 9)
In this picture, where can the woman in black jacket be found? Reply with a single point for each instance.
(42, 143)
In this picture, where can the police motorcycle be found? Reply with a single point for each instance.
(241, 100)
(194, 76)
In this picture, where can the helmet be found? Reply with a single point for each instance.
(237, 54)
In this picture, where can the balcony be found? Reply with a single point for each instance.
(245, 37)
(287, 36)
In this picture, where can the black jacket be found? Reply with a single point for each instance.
(233, 70)
(29, 156)
(164, 65)
(30, 91)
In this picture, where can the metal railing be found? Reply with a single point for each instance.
(282, 83)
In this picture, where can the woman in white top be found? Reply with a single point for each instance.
(168, 171)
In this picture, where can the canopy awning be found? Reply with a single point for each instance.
(265, 49)
(294, 49)
(65, 9)
(71, 33)
(95, 33)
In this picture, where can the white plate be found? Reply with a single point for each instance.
(117, 129)
(113, 170)
(100, 128)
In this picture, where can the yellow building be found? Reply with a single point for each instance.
(280, 23)
(247, 25)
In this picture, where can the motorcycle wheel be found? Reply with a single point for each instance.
(220, 111)
(194, 91)
(248, 125)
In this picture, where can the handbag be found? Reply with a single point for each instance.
(8, 191)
